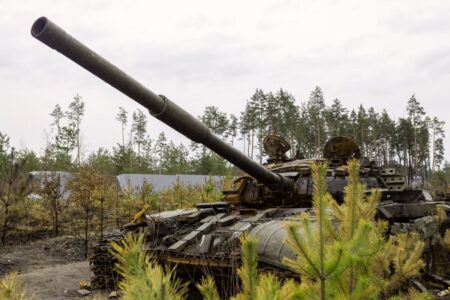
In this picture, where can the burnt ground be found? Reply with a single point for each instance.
(51, 268)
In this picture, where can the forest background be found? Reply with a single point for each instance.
(413, 143)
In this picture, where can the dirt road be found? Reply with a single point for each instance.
(49, 269)
(55, 282)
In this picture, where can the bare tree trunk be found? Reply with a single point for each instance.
(5, 224)
(56, 225)
(405, 165)
(260, 147)
(291, 141)
(433, 149)
(78, 145)
(117, 207)
(86, 234)
(411, 166)
(318, 139)
(123, 136)
(101, 218)
(253, 144)
(385, 154)
(363, 153)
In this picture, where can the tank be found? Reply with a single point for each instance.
(205, 239)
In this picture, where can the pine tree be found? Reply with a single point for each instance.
(4, 151)
(58, 116)
(233, 128)
(160, 145)
(215, 120)
(142, 277)
(51, 195)
(139, 129)
(345, 254)
(85, 192)
(11, 288)
(415, 113)
(14, 186)
(373, 134)
(437, 136)
(303, 132)
(122, 117)
(74, 115)
(316, 120)
(361, 131)
(337, 119)
(63, 142)
(246, 129)
(387, 131)
(257, 118)
(102, 160)
(289, 116)
(405, 146)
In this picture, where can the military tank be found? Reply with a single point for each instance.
(205, 239)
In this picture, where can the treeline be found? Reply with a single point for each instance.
(88, 203)
(414, 141)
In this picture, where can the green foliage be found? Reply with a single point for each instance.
(90, 192)
(208, 190)
(139, 129)
(341, 248)
(437, 141)
(142, 277)
(174, 159)
(51, 199)
(122, 158)
(14, 186)
(64, 136)
(439, 181)
(122, 117)
(11, 288)
(186, 196)
(262, 286)
(248, 271)
(344, 254)
(208, 289)
(341, 254)
(210, 164)
(102, 160)
(416, 141)
(74, 115)
(216, 120)
(147, 196)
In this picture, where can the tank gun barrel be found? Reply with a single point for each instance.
(159, 106)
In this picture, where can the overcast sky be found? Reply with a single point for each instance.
(199, 53)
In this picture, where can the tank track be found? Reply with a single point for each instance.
(102, 264)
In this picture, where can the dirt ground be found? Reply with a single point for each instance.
(49, 269)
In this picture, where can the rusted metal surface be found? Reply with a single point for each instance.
(207, 236)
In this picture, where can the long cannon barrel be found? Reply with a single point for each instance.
(159, 106)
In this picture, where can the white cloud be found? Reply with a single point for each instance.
(200, 53)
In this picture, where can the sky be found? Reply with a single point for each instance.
(200, 53)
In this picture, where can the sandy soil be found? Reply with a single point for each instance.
(49, 269)
(56, 282)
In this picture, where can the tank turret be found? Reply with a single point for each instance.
(206, 238)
